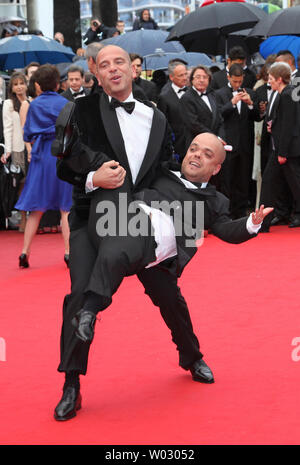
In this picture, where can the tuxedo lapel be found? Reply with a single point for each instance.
(113, 132)
(214, 109)
(156, 137)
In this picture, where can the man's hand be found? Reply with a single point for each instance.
(236, 98)
(109, 176)
(281, 160)
(246, 98)
(260, 213)
(4, 157)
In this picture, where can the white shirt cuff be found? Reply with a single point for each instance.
(252, 228)
(89, 186)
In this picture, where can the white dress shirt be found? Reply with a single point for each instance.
(176, 90)
(204, 98)
(135, 129)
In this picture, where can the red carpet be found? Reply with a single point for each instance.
(244, 301)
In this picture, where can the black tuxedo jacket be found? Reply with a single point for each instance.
(148, 87)
(100, 139)
(262, 96)
(216, 212)
(239, 127)
(198, 118)
(286, 125)
(220, 79)
(169, 104)
(69, 96)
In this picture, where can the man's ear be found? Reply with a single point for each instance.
(217, 169)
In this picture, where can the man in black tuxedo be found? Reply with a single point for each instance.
(136, 140)
(120, 256)
(75, 81)
(236, 55)
(164, 254)
(169, 103)
(239, 110)
(284, 128)
(199, 107)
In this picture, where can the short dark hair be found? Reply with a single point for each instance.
(285, 53)
(48, 77)
(237, 53)
(75, 69)
(236, 70)
(135, 56)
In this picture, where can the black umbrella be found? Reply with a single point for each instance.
(204, 30)
(282, 22)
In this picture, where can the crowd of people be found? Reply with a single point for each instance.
(199, 133)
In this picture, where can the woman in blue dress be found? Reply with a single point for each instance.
(43, 190)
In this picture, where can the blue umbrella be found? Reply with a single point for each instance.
(18, 51)
(276, 43)
(160, 60)
(144, 42)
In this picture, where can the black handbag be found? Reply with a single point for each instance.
(10, 178)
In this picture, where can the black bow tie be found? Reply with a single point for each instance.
(203, 93)
(76, 94)
(183, 89)
(128, 106)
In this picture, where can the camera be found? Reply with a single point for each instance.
(95, 24)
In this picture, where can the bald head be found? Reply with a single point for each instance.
(115, 71)
(204, 158)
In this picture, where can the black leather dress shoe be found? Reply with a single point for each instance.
(84, 322)
(295, 223)
(67, 260)
(201, 372)
(23, 261)
(68, 405)
(279, 220)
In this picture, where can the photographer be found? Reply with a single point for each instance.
(96, 32)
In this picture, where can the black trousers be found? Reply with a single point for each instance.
(160, 283)
(278, 183)
(235, 182)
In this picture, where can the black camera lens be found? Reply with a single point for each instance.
(95, 23)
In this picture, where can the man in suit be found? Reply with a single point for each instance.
(235, 55)
(148, 87)
(169, 103)
(136, 140)
(166, 251)
(239, 110)
(199, 106)
(284, 161)
(75, 81)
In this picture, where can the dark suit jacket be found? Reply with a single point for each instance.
(69, 96)
(220, 79)
(169, 104)
(216, 212)
(265, 144)
(149, 88)
(101, 139)
(239, 127)
(197, 116)
(286, 125)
